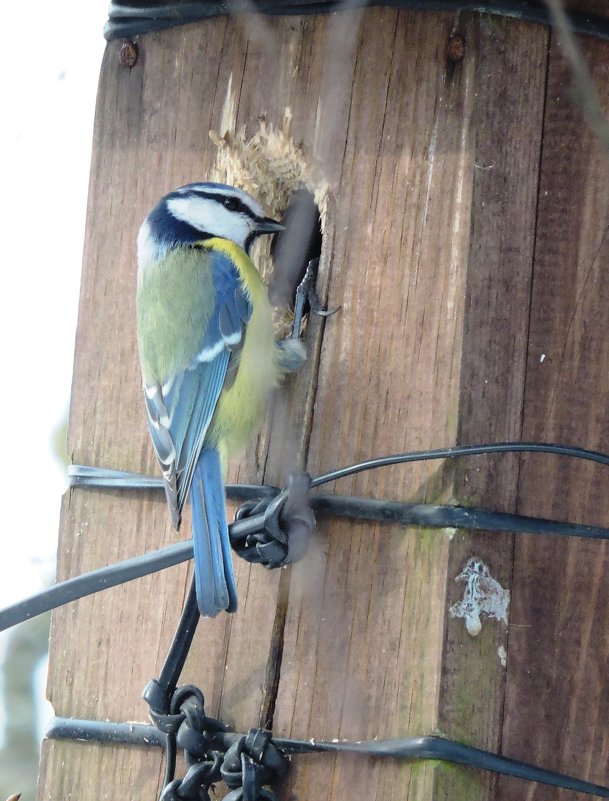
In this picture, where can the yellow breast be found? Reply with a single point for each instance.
(241, 406)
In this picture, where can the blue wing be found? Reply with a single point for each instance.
(179, 414)
(180, 410)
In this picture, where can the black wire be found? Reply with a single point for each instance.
(158, 692)
(426, 515)
(98, 477)
(448, 516)
(104, 731)
(425, 747)
(462, 450)
(130, 19)
(366, 508)
(174, 661)
(88, 583)
(85, 476)
(431, 747)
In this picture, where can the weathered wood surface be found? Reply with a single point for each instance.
(556, 707)
(447, 236)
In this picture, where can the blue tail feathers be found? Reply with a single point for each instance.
(214, 577)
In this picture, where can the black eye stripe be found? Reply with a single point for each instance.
(235, 203)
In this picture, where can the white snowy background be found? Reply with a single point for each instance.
(49, 61)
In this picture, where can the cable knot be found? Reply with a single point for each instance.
(279, 530)
(251, 762)
(159, 708)
(197, 731)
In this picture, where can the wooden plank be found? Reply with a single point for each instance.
(368, 651)
(556, 710)
(151, 135)
(431, 171)
(508, 123)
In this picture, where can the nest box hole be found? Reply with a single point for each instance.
(293, 249)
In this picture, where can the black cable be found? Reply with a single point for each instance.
(175, 659)
(432, 747)
(103, 477)
(425, 747)
(106, 478)
(448, 516)
(88, 477)
(88, 583)
(440, 516)
(130, 19)
(172, 709)
(462, 450)
(425, 515)
(104, 731)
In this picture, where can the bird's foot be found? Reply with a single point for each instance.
(306, 297)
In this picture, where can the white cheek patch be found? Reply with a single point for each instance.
(211, 217)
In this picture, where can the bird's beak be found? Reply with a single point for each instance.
(268, 226)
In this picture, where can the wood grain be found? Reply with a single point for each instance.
(507, 120)
(556, 710)
(443, 246)
(364, 625)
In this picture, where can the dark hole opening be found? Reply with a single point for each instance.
(294, 248)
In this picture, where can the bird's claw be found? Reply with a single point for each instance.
(306, 294)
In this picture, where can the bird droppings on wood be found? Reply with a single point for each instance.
(483, 595)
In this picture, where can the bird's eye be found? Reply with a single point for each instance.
(231, 203)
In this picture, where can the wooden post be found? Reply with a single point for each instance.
(465, 241)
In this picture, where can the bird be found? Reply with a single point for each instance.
(208, 358)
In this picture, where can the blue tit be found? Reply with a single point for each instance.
(208, 356)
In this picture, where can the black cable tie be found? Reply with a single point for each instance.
(186, 726)
(231, 769)
(195, 784)
(252, 778)
(157, 697)
(167, 724)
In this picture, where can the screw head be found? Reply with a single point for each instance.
(455, 50)
(128, 54)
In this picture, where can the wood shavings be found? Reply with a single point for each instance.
(269, 165)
